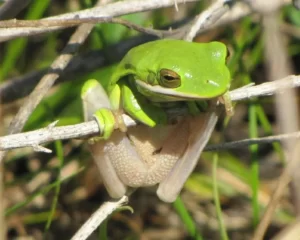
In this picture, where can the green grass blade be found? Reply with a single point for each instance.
(222, 226)
(60, 155)
(254, 163)
(187, 219)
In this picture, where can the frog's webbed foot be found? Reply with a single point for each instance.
(106, 122)
(96, 105)
(226, 100)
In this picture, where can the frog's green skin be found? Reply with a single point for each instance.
(201, 68)
(151, 77)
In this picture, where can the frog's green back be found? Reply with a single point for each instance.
(201, 66)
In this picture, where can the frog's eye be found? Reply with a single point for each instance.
(169, 78)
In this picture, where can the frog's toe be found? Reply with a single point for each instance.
(106, 122)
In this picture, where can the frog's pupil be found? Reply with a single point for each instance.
(169, 78)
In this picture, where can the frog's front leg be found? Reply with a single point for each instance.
(138, 107)
(94, 98)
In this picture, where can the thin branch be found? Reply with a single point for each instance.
(250, 141)
(51, 133)
(98, 217)
(106, 11)
(266, 89)
(46, 23)
(208, 17)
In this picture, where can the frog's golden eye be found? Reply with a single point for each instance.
(169, 78)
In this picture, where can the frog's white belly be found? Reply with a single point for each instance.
(144, 156)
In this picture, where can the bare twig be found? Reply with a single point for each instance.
(207, 17)
(107, 11)
(251, 141)
(87, 129)
(236, 12)
(266, 89)
(46, 23)
(98, 217)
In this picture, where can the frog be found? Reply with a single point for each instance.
(151, 79)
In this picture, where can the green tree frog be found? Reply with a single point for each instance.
(152, 78)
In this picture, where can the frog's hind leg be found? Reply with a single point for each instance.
(200, 129)
(111, 181)
(138, 107)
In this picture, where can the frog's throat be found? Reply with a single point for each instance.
(167, 92)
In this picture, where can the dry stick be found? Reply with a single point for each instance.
(238, 11)
(46, 23)
(51, 133)
(207, 17)
(98, 217)
(250, 141)
(109, 10)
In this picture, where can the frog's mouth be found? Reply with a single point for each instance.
(159, 94)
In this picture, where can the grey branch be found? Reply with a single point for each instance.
(98, 217)
(106, 11)
(88, 129)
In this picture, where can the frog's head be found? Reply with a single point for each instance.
(191, 71)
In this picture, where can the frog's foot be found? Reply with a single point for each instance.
(108, 121)
(226, 100)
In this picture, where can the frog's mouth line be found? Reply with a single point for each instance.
(168, 93)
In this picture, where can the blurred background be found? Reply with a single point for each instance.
(49, 196)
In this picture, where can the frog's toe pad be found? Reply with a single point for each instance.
(106, 122)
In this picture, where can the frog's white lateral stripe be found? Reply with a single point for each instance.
(168, 91)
